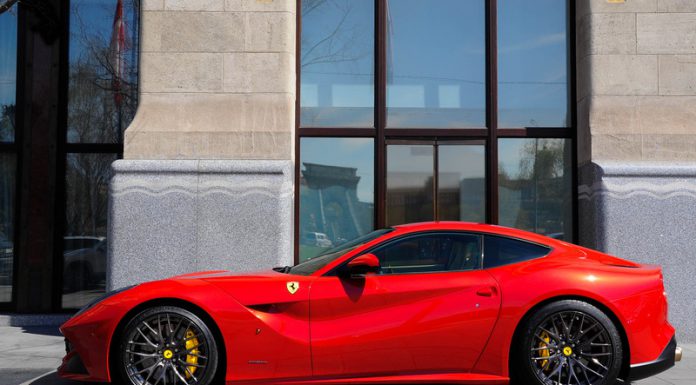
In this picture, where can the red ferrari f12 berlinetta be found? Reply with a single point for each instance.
(439, 302)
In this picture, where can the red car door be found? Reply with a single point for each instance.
(431, 309)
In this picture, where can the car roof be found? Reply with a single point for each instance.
(477, 227)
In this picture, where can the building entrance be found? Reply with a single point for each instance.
(435, 180)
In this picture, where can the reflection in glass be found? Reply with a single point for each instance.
(8, 73)
(436, 63)
(533, 63)
(410, 171)
(535, 185)
(7, 193)
(337, 63)
(84, 253)
(103, 89)
(336, 192)
(461, 183)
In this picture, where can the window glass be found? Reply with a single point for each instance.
(533, 63)
(535, 186)
(410, 170)
(436, 63)
(430, 253)
(8, 73)
(310, 266)
(103, 77)
(461, 183)
(84, 255)
(337, 63)
(336, 192)
(7, 204)
(499, 251)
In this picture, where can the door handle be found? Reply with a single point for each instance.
(485, 292)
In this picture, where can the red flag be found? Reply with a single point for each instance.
(117, 48)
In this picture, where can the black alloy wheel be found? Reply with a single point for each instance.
(167, 345)
(568, 343)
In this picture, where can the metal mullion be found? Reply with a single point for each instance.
(8, 147)
(573, 120)
(436, 182)
(61, 157)
(296, 176)
(492, 110)
(535, 132)
(380, 112)
(437, 132)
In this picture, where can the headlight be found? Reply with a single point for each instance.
(103, 297)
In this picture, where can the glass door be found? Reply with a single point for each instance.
(435, 180)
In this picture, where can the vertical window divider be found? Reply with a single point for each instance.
(380, 111)
(492, 110)
(436, 180)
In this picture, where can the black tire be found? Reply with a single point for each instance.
(166, 342)
(567, 342)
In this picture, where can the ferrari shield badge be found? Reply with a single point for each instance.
(293, 287)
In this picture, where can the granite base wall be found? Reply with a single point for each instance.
(169, 217)
(646, 213)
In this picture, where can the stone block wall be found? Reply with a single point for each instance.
(636, 80)
(636, 69)
(217, 80)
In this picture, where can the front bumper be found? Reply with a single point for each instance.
(671, 354)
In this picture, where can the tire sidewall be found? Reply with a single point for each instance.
(213, 356)
(522, 371)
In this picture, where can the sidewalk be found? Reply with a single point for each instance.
(31, 354)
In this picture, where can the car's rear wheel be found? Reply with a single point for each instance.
(570, 343)
(167, 345)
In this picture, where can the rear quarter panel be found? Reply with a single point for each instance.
(633, 295)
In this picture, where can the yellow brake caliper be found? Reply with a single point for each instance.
(192, 349)
(544, 352)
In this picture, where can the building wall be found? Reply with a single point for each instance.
(207, 176)
(206, 182)
(217, 81)
(636, 65)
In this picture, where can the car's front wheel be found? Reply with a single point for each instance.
(570, 343)
(167, 345)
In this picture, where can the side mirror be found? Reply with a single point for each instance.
(365, 264)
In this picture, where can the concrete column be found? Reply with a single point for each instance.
(207, 178)
(637, 138)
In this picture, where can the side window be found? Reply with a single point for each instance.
(499, 251)
(430, 253)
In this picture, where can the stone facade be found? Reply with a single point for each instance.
(217, 81)
(207, 180)
(637, 138)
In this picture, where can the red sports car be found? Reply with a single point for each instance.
(444, 302)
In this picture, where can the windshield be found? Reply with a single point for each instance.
(310, 266)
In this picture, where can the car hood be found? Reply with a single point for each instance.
(256, 288)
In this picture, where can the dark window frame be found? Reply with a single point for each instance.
(490, 135)
(66, 148)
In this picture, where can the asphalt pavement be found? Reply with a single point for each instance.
(29, 356)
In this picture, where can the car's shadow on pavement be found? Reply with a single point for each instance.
(52, 378)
